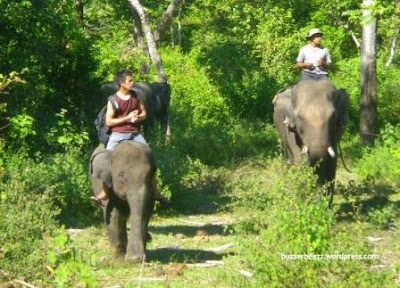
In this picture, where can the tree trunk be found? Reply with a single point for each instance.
(151, 43)
(368, 104)
(180, 23)
(137, 36)
(165, 19)
(79, 10)
(172, 35)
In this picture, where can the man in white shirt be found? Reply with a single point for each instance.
(314, 59)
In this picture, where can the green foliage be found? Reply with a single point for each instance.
(288, 235)
(389, 103)
(66, 133)
(292, 207)
(279, 59)
(65, 264)
(42, 39)
(26, 217)
(63, 177)
(382, 217)
(201, 178)
(21, 127)
(381, 164)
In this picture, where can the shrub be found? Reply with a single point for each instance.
(381, 164)
(64, 176)
(286, 225)
(25, 218)
(65, 265)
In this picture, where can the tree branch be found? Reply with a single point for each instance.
(393, 47)
(353, 35)
(165, 19)
(155, 57)
(4, 127)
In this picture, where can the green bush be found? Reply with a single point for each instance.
(65, 265)
(25, 218)
(292, 207)
(286, 225)
(36, 195)
(381, 164)
(64, 176)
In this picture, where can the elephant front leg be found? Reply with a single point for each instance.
(116, 231)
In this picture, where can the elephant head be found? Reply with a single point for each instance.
(127, 171)
(310, 119)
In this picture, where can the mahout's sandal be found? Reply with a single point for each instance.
(97, 200)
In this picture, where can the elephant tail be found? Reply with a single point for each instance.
(341, 157)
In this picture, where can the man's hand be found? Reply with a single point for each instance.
(308, 65)
(133, 116)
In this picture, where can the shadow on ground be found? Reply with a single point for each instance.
(191, 231)
(177, 255)
(361, 199)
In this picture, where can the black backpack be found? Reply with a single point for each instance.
(103, 130)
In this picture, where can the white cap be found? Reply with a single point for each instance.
(314, 31)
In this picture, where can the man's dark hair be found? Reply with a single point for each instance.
(121, 75)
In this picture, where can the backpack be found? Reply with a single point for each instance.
(103, 130)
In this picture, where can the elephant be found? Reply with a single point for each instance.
(310, 119)
(156, 97)
(127, 171)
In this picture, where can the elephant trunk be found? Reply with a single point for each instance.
(138, 221)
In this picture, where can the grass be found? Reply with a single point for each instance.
(181, 253)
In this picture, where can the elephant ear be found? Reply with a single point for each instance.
(342, 106)
(342, 111)
(100, 166)
(284, 107)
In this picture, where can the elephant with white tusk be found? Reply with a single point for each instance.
(310, 119)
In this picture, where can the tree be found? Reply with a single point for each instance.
(368, 105)
(152, 38)
(79, 11)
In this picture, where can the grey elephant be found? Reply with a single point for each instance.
(156, 97)
(310, 119)
(127, 171)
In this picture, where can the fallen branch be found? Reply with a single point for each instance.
(150, 279)
(246, 273)
(200, 224)
(220, 248)
(208, 263)
(374, 239)
(24, 283)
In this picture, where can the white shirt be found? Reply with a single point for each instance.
(312, 54)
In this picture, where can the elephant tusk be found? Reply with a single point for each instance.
(304, 150)
(331, 152)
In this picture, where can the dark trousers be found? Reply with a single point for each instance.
(312, 76)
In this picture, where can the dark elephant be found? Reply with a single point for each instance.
(310, 119)
(127, 171)
(156, 97)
